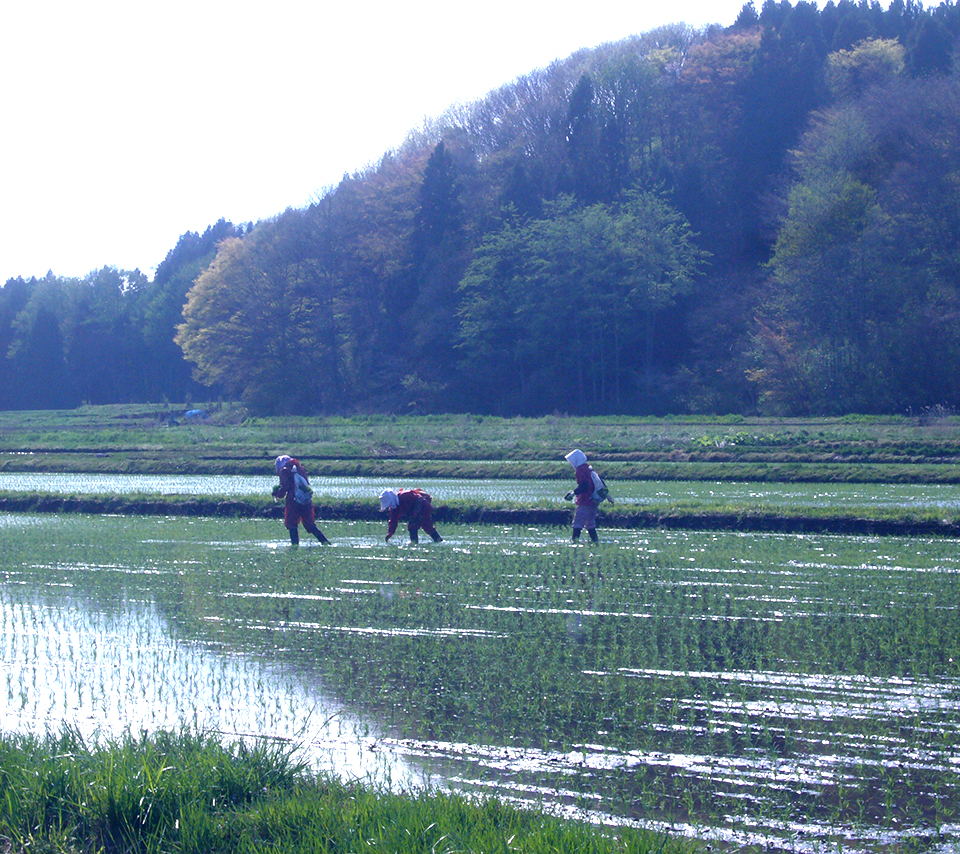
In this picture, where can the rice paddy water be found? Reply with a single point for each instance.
(795, 692)
(904, 496)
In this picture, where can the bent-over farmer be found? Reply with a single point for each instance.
(413, 506)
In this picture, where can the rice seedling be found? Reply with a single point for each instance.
(193, 793)
(739, 686)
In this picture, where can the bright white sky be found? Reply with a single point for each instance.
(126, 123)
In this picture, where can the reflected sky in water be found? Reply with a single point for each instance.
(109, 623)
(840, 495)
(108, 673)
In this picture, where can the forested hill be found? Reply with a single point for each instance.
(763, 217)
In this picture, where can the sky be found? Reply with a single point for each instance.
(127, 123)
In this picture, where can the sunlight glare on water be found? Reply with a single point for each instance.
(779, 690)
(106, 674)
(840, 495)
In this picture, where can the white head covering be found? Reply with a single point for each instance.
(280, 462)
(388, 500)
(576, 458)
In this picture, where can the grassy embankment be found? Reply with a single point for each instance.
(144, 440)
(186, 793)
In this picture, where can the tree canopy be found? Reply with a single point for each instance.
(754, 218)
(866, 288)
(562, 312)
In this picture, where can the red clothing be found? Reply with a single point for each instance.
(584, 490)
(294, 513)
(414, 506)
(287, 486)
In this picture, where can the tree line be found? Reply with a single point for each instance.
(763, 217)
(106, 337)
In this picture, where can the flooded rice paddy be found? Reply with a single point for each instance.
(847, 496)
(794, 692)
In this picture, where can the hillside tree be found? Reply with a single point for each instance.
(561, 312)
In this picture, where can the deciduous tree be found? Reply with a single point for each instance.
(561, 312)
(254, 324)
(865, 262)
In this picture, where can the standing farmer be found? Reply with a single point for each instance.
(294, 488)
(413, 506)
(588, 495)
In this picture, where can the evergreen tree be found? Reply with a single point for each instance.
(439, 251)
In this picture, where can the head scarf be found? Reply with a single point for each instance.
(576, 458)
(280, 462)
(388, 500)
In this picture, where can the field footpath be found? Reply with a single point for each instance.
(639, 518)
(921, 449)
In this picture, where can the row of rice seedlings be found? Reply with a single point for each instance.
(101, 671)
(430, 706)
(720, 641)
(675, 656)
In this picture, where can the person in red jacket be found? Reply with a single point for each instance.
(294, 488)
(413, 506)
(586, 512)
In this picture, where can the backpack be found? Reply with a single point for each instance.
(600, 491)
(302, 493)
(416, 491)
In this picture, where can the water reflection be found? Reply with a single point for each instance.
(839, 495)
(108, 673)
(758, 685)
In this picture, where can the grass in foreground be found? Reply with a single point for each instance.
(186, 792)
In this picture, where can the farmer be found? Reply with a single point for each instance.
(413, 506)
(585, 495)
(294, 487)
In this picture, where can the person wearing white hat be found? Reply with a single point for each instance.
(294, 488)
(583, 496)
(413, 506)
